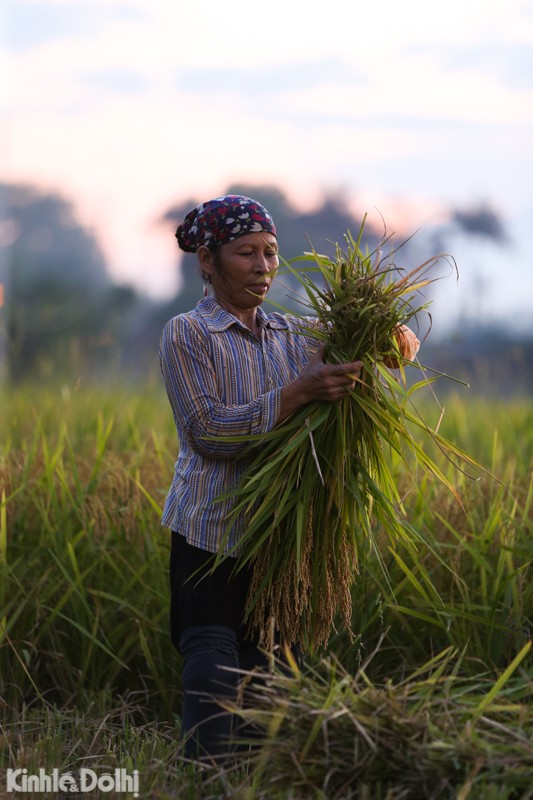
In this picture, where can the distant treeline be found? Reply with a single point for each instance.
(62, 316)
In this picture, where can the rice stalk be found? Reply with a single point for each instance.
(320, 485)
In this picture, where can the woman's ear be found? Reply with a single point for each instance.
(206, 260)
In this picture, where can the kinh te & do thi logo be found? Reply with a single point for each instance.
(79, 782)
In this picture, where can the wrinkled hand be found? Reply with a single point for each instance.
(321, 381)
(318, 381)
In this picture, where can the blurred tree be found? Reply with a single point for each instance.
(55, 276)
(481, 220)
(481, 229)
(60, 307)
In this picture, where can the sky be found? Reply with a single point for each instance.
(127, 107)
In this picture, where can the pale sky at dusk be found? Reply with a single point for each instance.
(129, 106)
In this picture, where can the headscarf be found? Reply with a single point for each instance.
(222, 220)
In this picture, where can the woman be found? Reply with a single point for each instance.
(230, 369)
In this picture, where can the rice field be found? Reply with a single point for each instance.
(431, 699)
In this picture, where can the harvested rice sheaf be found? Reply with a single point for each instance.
(321, 483)
(434, 735)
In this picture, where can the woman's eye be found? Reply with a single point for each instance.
(249, 253)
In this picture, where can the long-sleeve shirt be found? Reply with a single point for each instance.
(222, 381)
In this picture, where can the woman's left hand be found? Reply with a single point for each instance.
(408, 344)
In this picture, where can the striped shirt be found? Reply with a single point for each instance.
(222, 381)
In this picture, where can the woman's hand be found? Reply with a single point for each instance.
(319, 381)
(408, 344)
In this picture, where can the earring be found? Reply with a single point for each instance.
(207, 281)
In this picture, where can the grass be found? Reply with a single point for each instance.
(85, 558)
(88, 674)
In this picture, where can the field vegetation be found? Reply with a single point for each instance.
(432, 699)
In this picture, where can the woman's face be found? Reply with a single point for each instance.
(242, 271)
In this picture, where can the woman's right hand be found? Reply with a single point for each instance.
(319, 381)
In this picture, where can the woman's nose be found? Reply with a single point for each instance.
(261, 263)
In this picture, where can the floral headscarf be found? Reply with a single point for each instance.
(222, 220)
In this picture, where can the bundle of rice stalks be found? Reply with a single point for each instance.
(321, 484)
(433, 735)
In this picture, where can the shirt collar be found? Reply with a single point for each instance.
(218, 319)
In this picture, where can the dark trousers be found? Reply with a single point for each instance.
(206, 620)
(212, 659)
